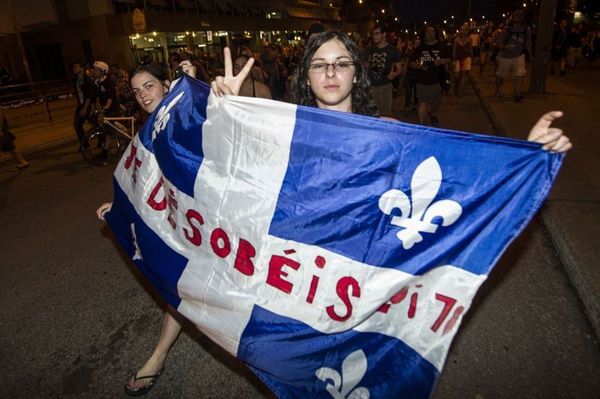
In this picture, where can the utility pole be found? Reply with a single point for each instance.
(17, 29)
(543, 45)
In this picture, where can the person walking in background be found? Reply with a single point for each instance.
(486, 46)
(575, 43)
(409, 81)
(428, 60)
(383, 65)
(560, 47)
(84, 91)
(514, 45)
(475, 44)
(462, 54)
(7, 144)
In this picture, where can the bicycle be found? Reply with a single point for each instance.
(104, 142)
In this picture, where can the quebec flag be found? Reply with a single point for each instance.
(335, 254)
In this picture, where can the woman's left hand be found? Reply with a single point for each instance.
(552, 138)
(188, 68)
(103, 209)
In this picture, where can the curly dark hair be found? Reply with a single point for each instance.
(302, 94)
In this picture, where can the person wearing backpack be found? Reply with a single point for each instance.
(514, 45)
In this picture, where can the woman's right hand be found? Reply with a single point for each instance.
(101, 211)
(229, 84)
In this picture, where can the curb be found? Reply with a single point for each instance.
(585, 291)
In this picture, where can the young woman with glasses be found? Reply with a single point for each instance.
(330, 76)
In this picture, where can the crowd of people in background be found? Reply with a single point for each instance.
(420, 67)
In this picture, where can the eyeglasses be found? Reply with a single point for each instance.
(338, 66)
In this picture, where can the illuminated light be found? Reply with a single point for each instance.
(150, 39)
(137, 35)
(330, 5)
(382, 11)
(471, 19)
(359, 1)
(202, 45)
(452, 16)
(193, 34)
(395, 18)
(187, 32)
(483, 17)
(445, 22)
(406, 31)
(524, 4)
(503, 15)
(154, 33)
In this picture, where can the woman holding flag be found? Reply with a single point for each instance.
(150, 83)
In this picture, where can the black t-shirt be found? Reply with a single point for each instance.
(84, 88)
(426, 54)
(381, 61)
(107, 89)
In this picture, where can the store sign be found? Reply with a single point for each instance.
(139, 20)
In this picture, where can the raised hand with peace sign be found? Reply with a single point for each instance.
(229, 84)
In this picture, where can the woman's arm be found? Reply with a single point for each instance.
(101, 211)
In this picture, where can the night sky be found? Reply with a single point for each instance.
(438, 10)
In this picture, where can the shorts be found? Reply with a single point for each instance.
(462, 65)
(430, 94)
(383, 97)
(516, 66)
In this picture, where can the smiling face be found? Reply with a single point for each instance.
(331, 76)
(148, 90)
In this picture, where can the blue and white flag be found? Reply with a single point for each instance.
(333, 253)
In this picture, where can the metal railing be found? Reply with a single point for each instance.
(35, 93)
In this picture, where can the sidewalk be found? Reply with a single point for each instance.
(571, 214)
(36, 133)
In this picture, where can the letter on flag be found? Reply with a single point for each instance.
(335, 254)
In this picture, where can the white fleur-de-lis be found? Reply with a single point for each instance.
(417, 218)
(163, 116)
(137, 255)
(354, 368)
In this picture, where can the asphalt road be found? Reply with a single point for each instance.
(77, 319)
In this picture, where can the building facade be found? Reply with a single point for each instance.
(57, 33)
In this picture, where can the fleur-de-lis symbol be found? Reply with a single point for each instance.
(163, 116)
(137, 255)
(417, 218)
(354, 368)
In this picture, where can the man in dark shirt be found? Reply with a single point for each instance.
(106, 90)
(84, 92)
(384, 65)
(428, 60)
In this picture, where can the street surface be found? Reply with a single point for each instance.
(77, 318)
